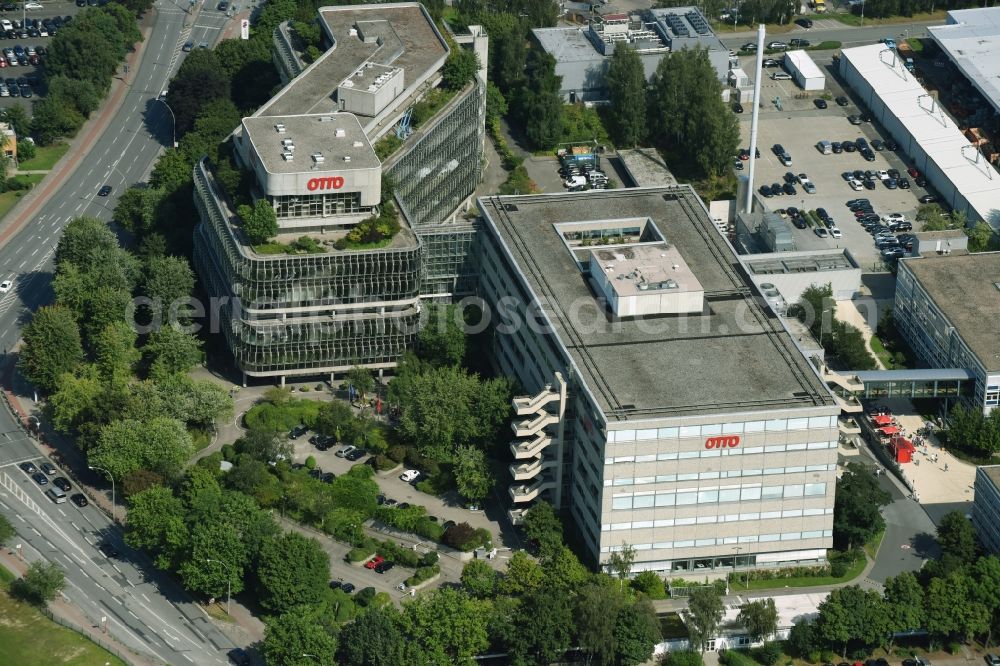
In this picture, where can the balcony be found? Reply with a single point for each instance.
(527, 405)
(516, 516)
(530, 469)
(531, 448)
(849, 405)
(527, 492)
(529, 427)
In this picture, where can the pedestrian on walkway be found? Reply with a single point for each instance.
(946, 467)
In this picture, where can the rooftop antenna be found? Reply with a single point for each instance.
(758, 72)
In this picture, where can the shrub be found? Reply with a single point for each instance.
(360, 553)
(423, 574)
(683, 658)
(429, 559)
(228, 452)
(954, 647)
(428, 529)
(396, 453)
(403, 519)
(650, 584)
(277, 418)
(406, 557)
(768, 654)
(459, 535)
(383, 463)
(735, 658)
(310, 463)
(365, 596)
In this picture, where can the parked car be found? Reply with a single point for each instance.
(927, 198)
(737, 107)
(382, 567)
(342, 453)
(781, 76)
(61, 483)
(805, 23)
(820, 103)
(297, 432)
(835, 232)
(854, 120)
(356, 454)
(374, 562)
(79, 499)
(765, 191)
(40, 479)
(28, 467)
(837, 147)
(409, 475)
(777, 46)
(46, 467)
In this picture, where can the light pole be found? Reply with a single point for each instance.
(738, 549)
(101, 469)
(229, 583)
(173, 118)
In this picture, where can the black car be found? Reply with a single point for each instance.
(48, 468)
(799, 223)
(822, 214)
(28, 467)
(799, 42)
(297, 432)
(771, 62)
(448, 524)
(104, 191)
(920, 181)
(854, 202)
(820, 103)
(187, 46)
(347, 587)
(40, 479)
(737, 107)
(893, 173)
(854, 120)
(380, 500)
(877, 145)
(836, 147)
(223, 6)
(849, 146)
(9, 7)
(891, 145)
(790, 177)
(776, 189)
(765, 191)
(328, 477)
(61, 483)
(904, 183)
(25, 91)
(238, 656)
(316, 473)
(79, 499)
(356, 454)
(869, 184)
(777, 149)
(927, 198)
(108, 550)
(382, 567)
(868, 155)
(805, 23)
(789, 189)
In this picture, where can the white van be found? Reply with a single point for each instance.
(575, 181)
(6, 25)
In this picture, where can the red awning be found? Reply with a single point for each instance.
(882, 419)
(889, 430)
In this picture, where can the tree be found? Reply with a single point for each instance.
(596, 612)
(52, 119)
(200, 80)
(904, 602)
(852, 614)
(986, 588)
(220, 542)
(136, 210)
(759, 618)
(7, 530)
(650, 584)
(292, 570)
(982, 238)
(950, 609)
(40, 583)
(17, 117)
(932, 217)
(373, 639)
(460, 68)
(51, 348)
(291, 637)
(81, 239)
(540, 101)
(478, 578)
(81, 95)
(25, 150)
(857, 508)
(362, 381)
(620, 562)
(160, 444)
(77, 399)
(637, 631)
(260, 223)
(523, 575)
(542, 525)
(442, 339)
(156, 524)
(957, 537)
(627, 93)
(116, 351)
(171, 350)
(496, 104)
(689, 121)
(168, 281)
(703, 615)
(563, 570)
(472, 474)
(509, 59)
(448, 625)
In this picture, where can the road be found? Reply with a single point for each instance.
(829, 30)
(146, 610)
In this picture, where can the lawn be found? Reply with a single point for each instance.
(8, 199)
(852, 20)
(803, 581)
(45, 157)
(871, 548)
(25, 634)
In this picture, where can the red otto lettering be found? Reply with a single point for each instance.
(727, 442)
(329, 183)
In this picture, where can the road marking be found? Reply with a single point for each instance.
(143, 594)
(79, 559)
(62, 512)
(75, 525)
(4, 505)
(51, 545)
(184, 654)
(133, 615)
(115, 567)
(36, 531)
(35, 252)
(79, 206)
(118, 600)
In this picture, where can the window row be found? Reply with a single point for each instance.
(718, 453)
(730, 474)
(716, 496)
(774, 425)
(713, 520)
(698, 543)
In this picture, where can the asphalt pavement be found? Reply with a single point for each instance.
(144, 609)
(830, 30)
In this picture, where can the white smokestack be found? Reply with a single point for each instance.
(758, 73)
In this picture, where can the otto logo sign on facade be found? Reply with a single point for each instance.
(328, 183)
(726, 442)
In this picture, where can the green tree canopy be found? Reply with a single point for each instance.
(759, 618)
(200, 80)
(156, 524)
(374, 639)
(81, 240)
(703, 614)
(442, 339)
(40, 583)
(116, 351)
(472, 473)
(904, 602)
(168, 281)
(540, 102)
(857, 508)
(289, 638)
(478, 578)
(957, 537)
(259, 221)
(292, 570)
(7, 530)
(449, 626)
(637, 631)
(51, 347)
(160, 444)
(852, 614)
(170, 350)
(542, 525)
(460, 68)
(627, 92)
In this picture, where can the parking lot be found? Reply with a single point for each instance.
(798, 127)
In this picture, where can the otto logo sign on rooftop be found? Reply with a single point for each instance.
(327, 183)
(726, 442)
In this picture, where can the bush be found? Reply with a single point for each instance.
(683, 658)
(365, 596)
(423, 574)
(768, 654)
(429, 559)
(735, 658)
(228, 452)
(401, 555)
(310, 463)
(361, 553)
(650, 584)
(459, 535)
(279, 418)
(383, 463)
(396, 453)
(428, 529)
(438, 483)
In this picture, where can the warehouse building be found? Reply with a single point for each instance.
(971, 40)
(804, 70)
(583, 54)
(947, 306)
(924, 131)
(311, 303)
(668, 406)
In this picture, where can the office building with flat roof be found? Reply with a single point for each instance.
(323, 153)
(947, 308)
(986, 507)
(583, 54)
(668, 407)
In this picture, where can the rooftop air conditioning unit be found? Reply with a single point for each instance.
(326, 119)
(348, 84)
(372, 88)
(279, 128)
(369, 64)
(340, 132)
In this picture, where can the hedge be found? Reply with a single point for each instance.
(360, 553)
(423, 574)
(280, 418)
(734, 658)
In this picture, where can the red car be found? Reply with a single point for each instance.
(374, 562)
(913, 172)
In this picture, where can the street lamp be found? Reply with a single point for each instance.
(101, 469)
(173, 118)
(229, 583)
(738, 549)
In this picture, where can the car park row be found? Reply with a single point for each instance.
(884, 229)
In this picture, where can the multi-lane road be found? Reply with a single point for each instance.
(144, 609)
